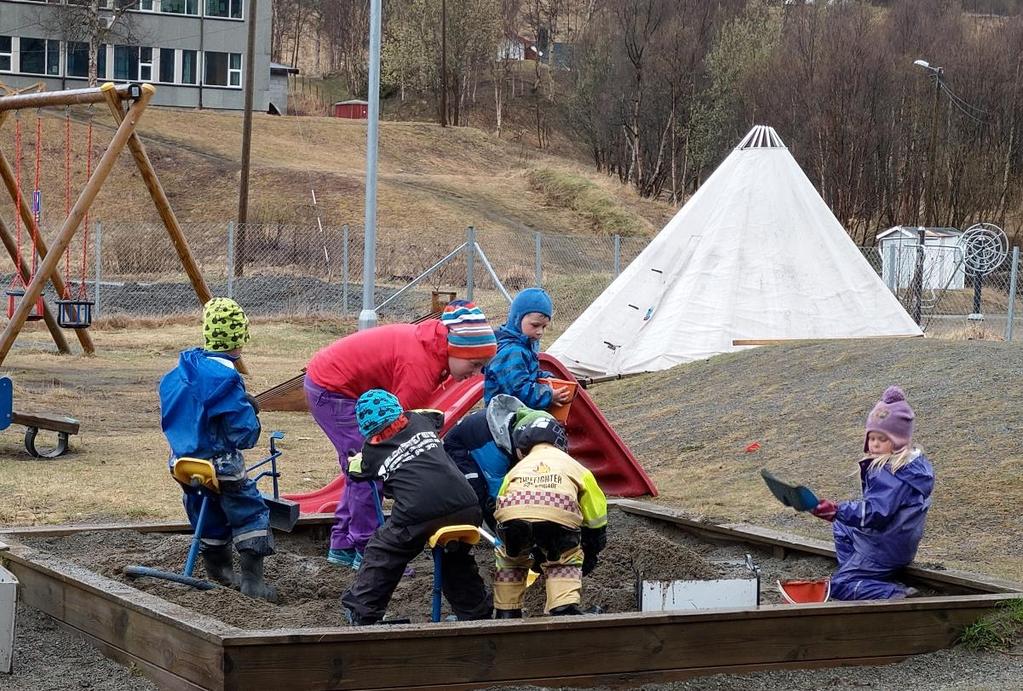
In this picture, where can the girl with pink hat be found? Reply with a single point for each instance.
(878, 534)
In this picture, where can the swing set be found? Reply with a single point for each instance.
(74, 311)
(25, 301)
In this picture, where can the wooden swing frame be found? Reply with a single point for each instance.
(117, 98)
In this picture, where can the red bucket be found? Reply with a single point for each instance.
(798, 592)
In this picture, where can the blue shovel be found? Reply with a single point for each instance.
(798, 497)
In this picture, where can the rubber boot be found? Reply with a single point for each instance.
(507, 614)
(572, 609)
(253, 584)
(219, 566)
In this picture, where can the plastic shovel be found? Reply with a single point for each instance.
(799, 497)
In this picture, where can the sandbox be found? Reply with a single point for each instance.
(220, 639)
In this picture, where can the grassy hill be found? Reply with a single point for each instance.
(806, 405)
(433, 180)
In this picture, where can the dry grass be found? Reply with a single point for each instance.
(433, 181)
(117, 469)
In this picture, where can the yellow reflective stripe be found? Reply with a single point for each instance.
(592, 502)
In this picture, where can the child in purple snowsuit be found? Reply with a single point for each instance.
(877, 535)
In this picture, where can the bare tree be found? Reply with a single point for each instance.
(93, 23)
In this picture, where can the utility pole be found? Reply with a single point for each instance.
(243, 185)
(443, 62)
(930, 217)
(368, 315)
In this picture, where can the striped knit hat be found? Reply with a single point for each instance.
(469, 335)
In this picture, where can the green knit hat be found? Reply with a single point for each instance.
(224, 325)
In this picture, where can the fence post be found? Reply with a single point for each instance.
(539, 259)
(1012, 293)
(470, 262)
(918, 280)
(344, 270)
(618, 254)
(230, 259)
(894, 272)
(99, 265)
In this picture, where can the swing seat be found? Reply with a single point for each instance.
(74, 314)
(14, 298)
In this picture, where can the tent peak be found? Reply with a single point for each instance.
(761, 137)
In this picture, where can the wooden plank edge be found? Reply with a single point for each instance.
(767, 537)
(121, 594)
(785, 614)
(164, 678)
(631, 679)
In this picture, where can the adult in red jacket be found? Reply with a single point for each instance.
(410, 360)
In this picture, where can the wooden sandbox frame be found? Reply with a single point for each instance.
(180, 649)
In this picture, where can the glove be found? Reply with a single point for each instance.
(252, 401)
(594, 540)
(826, 510)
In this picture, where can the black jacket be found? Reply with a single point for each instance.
(417, 473)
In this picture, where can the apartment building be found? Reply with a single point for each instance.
(193, 50)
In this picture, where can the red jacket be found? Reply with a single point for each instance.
(409, 360)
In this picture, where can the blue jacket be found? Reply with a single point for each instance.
(204, 411)
(888, 521)
(516, 367)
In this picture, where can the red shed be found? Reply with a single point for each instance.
(353, 110)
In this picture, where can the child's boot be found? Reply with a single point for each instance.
(219, 566)
(507, 614)
(253, 583)
(566, 610)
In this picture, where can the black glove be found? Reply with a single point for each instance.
(594, 540)
(252, 401)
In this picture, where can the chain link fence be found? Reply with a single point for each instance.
(287, 271)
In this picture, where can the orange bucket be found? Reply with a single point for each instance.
(805, 592)
(560, 412)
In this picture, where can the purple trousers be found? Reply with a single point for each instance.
(355, 518)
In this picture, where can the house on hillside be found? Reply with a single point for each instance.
(942, 257)
(516, 48)
(193, 50)
(277, 98)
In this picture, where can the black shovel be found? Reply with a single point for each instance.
(283, 512)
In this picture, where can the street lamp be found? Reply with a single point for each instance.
(930, 218)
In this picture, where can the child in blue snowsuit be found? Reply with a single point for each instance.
(206, 413)
(516, 367)
(879, 534)
(481, 446)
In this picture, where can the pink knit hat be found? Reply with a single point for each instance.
(893, 418)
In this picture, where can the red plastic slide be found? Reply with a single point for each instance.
(592, 441)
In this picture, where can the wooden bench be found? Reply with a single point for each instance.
(63, 426)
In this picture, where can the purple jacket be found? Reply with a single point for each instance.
(888, 521)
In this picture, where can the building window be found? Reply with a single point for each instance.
(145, 64)
(146, 5)
(40, 56)
(167, 65)
(222, 69)
(189, 67)
(78, 60)
(180, 6)
(126, 62)
(224, 8)
(6, 54)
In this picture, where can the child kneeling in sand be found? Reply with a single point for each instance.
(549, 510)
(877, 535)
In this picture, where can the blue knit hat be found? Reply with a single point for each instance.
(469, 334)
(526, 302)
(375, 410)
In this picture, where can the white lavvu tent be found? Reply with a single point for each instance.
(755, 254)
